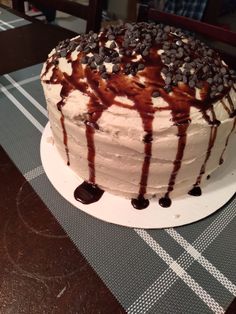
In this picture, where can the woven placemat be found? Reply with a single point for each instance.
(9, 20)
(189, 269)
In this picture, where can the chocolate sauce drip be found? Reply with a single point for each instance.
(144, 106)
(88, 193)
(140, 202)
(64, 133)
(211, 121)
(146, 163)
(213, 132)
(226, 142)
(145, 169)
(231, 113)
(65, 91)
(102, 88)
(181, 120)
(165, 201)
(221, 161)
(230, 102)
(65, 138)
(226, 108)
(95, 109)
(91, 152)
(47, 68)
(196, 191)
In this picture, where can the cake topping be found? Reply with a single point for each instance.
(184, 59)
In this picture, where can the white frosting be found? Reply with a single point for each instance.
(65, 66)
(120, 148)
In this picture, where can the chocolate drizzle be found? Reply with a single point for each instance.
(90, 128)
(173, 75)
(65, 141)
(147, 119)
(165, 201)
(140, 202)
(195, 191)
(231, 115)
(231, 104)
(213, 132)
(65, 137)
(181, 118)
(88, 193)
(225, 107)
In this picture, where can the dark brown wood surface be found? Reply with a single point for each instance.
(232, 308)
(30, 44)
(41, 270)
(92, 12)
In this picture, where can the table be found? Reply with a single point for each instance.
(31, 42)
(55, 278)
(57, 259)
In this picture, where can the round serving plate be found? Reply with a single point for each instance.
(114, 209)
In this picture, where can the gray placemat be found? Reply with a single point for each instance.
(189, 269)
(9, 20)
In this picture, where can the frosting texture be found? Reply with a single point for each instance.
(140, 110)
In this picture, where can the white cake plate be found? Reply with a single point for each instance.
(117, 210)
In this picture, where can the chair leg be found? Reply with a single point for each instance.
(212, 11)
(18, 5)
(48, 12)
(142, 13)
(94, 24)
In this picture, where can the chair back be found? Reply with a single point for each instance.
(90, 11)
(211, 32)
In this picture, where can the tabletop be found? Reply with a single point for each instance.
(55, 278)
(28, 42)
(55, 258)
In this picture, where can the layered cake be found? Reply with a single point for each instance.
(139, 110)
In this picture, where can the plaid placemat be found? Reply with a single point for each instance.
(189, 269)
(9, 20)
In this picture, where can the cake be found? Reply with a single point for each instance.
(139, 110)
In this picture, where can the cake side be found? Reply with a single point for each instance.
(140, 110)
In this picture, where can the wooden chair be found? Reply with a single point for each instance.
(92, 12)
(211, 32)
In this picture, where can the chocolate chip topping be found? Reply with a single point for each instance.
(184, 59)
(155, 94)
